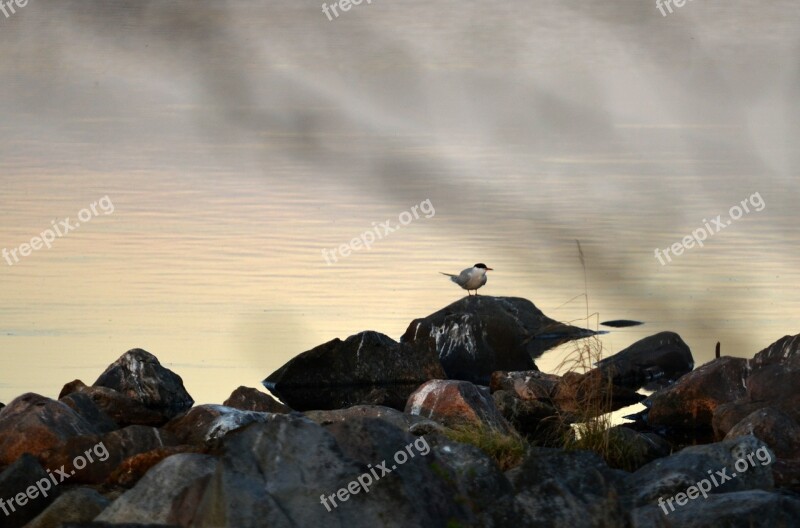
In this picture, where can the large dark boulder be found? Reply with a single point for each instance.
(478, 335)
(120, 408)
(652, 362)
(139, 375)
(249, 399)
(368, 368)
(276, 474)
(206, 424)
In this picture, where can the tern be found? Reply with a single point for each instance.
(470, 278)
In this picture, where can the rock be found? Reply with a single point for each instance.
(527, 385)
(247, 399)
(776, 385)
(655, 361)
(536, 420)
(726, 415)
(138, 375)
(133, 468)
(366, 368)
(76, 505)
(773, 427)
(741, 509)
(787, 474)
(691, 401)
(567, 489)
(634, 448)
(84, 405)
(275, 474)
(358, 412)
(157, 497)
(25, 489)
(120, 408)
(207, 423)
(478, 335)
(783, 351)
(457, 404)
(670, 475)
(34, 424)
(590, 394)
(102, 454)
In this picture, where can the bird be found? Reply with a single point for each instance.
(470, 278)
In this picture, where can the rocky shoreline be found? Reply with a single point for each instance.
(451, 426)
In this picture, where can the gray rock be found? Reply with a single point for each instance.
(741, 509)
(274, 475)
(393, 416)
(84, 405)
(205, 424)
(665, 477)
(24, 479)
(249, 399)
(157, 496)
(76, 505)
(478, 335)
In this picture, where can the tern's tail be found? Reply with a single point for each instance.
(448, 274)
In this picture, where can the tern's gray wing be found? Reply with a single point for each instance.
(463, 277)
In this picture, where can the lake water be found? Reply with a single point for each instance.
(236, 142)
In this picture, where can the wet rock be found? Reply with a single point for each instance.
(274, 474)
(653, 362)
(248, 399)
(156, 497)
(457, 404)
(478, 335)
(690, 403)
(84, 405)
(567, 489)
(102, 454)
(207, 423)
(76, 505)
(773, 427)
(120, 408)
(741, 509)
(26, 490)
(133, 468)
(366, 368)
(34, 424)
(670, 475)
(138, 375)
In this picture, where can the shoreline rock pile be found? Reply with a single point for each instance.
(133, 449)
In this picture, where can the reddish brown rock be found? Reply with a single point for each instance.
(457, 404)
(776, 384)
(104, 453)
(591, 394)
(773, 427)
(727, 415)
(119, 407)
(787, 474)
(128, 473)
(34, 424)
(690, 403)
(784, 350)
(248, 399)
